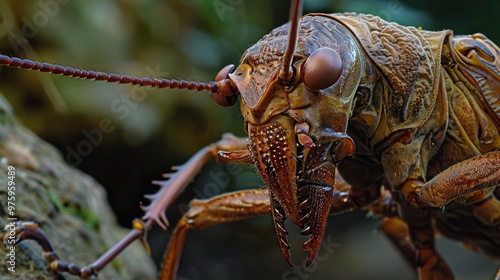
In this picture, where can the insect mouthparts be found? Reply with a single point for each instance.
(302, 131)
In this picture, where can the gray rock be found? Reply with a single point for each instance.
(70, 207)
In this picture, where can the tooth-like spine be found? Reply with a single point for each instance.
(304, 204)
(305, 218)
(279, 217)
(306, 231)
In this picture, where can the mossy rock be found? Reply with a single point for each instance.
(70, 207)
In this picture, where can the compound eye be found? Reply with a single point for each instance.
(227, 97)
(322, 69)
(224, 73)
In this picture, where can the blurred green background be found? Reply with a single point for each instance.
(193, 40)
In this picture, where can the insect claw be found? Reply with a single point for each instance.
(165, 222)
(160, 219)
(306, 231)
(142, 226)
(285, 249)
(310, 258)
(312, 245)
(288, 258)
(316, 218)
(285, 246)
(279, 217)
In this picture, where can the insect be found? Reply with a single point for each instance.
(297, 152)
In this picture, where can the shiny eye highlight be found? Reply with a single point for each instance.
(321, 69)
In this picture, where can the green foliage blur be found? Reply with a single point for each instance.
(134, 141)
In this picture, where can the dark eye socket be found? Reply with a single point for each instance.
(322, 69)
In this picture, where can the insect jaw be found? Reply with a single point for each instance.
(272, 146)
(300, 175)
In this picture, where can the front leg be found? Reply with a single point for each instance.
(235, 149)
(155, 212)
(480, 173)
(208, 212)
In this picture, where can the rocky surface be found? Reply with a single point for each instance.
(70, 207)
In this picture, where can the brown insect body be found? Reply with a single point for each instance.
(398, 100)
(440, 111)
(471, 79)
(388, 106)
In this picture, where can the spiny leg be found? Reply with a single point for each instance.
(279, 218)
(342, 197)
(205, 213)
(234, 149)
(155, 212)
(229, 207)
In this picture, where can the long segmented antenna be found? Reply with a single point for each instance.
(286, 71)
(223, 87)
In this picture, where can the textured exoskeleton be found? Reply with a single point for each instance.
(347, 111)
(413, 102)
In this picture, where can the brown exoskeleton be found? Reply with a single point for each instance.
(386, 106)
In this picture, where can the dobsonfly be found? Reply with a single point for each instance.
(330, 131)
